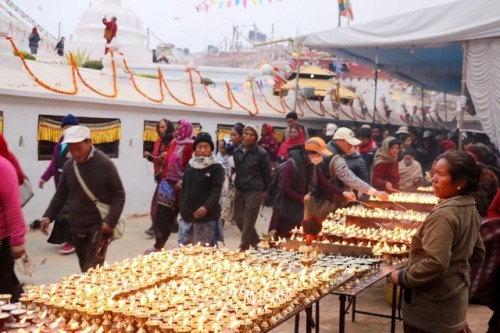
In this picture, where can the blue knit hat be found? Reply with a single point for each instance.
(69, 120)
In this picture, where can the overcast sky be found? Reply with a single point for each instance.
(178, 22)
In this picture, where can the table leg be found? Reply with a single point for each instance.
(353, 308)
(297, 321)
(393, 309)
(317, 317)
(342, 313)
(309, 322)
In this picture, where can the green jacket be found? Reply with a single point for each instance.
(436, 277)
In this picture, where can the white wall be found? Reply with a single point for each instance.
(21, 121)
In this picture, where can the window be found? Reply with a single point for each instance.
(106, 134)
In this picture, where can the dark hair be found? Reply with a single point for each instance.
(462, 167)
(410, 151)
(238, 127)
(365, 132)
(404, 136)
(292, 115)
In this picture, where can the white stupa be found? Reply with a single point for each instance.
(130, 36)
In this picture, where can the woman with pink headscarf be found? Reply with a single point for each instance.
(177, 158)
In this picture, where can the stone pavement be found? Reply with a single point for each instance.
(135, 242)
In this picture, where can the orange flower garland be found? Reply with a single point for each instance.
(300, 113)
(311, 109)
(113, 67)
(193, 103)
(230, 107)
(269, 104)
(241, 106)
(40, 82)
(325, 110)
(160, 77)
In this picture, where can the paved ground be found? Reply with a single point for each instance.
(135, 242)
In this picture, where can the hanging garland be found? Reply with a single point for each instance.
(193, 103)
(50, 130)
(325, 110)
(150, 134)
(269, 104)
(311, 109)
(40, 82)
(283, 101)
(113, 67)
(353, 110)
(160, 77)
(404, 120)
(230, 107)
(239, 104)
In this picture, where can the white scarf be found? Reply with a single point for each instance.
(201, 162)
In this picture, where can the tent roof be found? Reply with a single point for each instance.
(320, 87)
(422, 47)
(316, 70)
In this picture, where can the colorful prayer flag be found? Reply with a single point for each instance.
(345, 9)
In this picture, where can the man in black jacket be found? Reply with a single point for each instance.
(253, 176)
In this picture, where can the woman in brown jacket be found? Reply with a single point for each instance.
(445, 247)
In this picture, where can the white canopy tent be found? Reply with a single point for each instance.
(424, 47)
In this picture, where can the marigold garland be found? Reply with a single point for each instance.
(241, 106)
(113, 67)
(352, 116)
(404, 120)
(311, 109)
(37, 80)
(230, 107)
(269, 104)
(160, 77)
(301, 113)
(193, 103)
(325, 110)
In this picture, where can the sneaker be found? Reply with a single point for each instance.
(150, 232)
(67, 249)
(151, 250)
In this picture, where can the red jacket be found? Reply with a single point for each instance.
(383, 173)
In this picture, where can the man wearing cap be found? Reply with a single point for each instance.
(329, 131)
(253, 176)
(60, 232)
(350, 169)
(99, 173)
(367, 148)
(301, 180)
(402, 130)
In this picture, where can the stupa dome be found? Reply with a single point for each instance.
(130, 35)
(130, 27)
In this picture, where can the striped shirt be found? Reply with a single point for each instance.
(339, 169)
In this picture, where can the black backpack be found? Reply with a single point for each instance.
(273, 193)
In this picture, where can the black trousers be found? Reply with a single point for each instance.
(165, 220)
(9, 283)
(85, 248)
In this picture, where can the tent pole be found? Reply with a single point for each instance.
(299, 52)
(445, 108)
(376, 83)
(462, 92)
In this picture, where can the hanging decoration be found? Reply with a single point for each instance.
(1, 122)
(205, 5)
(50, 130)
(54, 133)
(150, 134)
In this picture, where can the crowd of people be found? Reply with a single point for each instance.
(202, 184)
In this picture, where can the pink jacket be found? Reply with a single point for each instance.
(11, 217)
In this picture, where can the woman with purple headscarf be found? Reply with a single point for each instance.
(177, 158)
